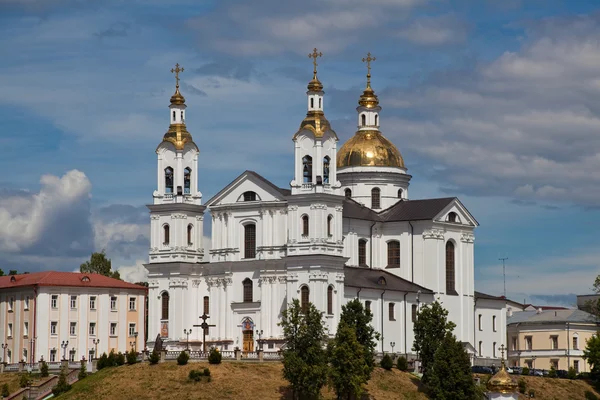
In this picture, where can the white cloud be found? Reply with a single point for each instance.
(134, 273)
(434, 31)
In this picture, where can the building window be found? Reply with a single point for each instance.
(9, 356)
(391, 312)
(576, 365)
(190, 229)
(399, 193)
(326, 162)
(414, 310)
(166, 234)
(494, 323)
(348, 193)
(11, 304)
(92, 328)
(174, 117)
(329, 219)
(452, 217)
(480, 348)
(312, 103)
(25, 328)
(10, 330)
(93, 303)
(113, 329)
(248, 297)
(375, 198)
(53, 326)
(575, 343)
(26, 306)
(132, 304)
(206, 305)
(479, 317)
(362, 253)
(554, 364)
(53, 355)
(450, 285)
(132, 331)
(304, 298)
(514, 343)
(187, 179)
(249, 196)
(113, 302)
(330, 300)
(168, 180)
(363, 119)
(271, 346)
(393, 250)
(54, 301)
(528, 343)
(554, 342)
(164, 298)
(307, 169)
(73, 329)
(24, 354)
(72, 353)
(250, 241)
(368, 305)
(73, 302)
(305, 225)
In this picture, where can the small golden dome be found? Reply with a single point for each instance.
(369, 148)
(502, 382)
(315, 84)
(368, 98)
(179, 136)
(177, 99)
(316, 122)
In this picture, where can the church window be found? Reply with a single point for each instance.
(348, 193)
(450, 278)
(312, 102)
(249, 196)
(326, 162)
(479, 322)
(305, 225)
(168, 180)
(393, 254)
(190, 228)
(376, 118)
(375, 198)
(363, 118)
(247, 290)
(452, 217)
(368, 305)
(330, 300)
(206, 305)
(304, 298)
(307, 169)
(329, 219)
(250, 241)
(166, 234)
(399, 193)
(320, 102)
(362, 253)
(181, 114)
(494, 323)
(165, 305)
(187, 175)
(174, 116)
(392, 315)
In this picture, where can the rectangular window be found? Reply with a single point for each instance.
(494, 323)
(575, 343)
(52, 355)
(391, 312)
(54, 301)
(554, 342)
(514, 343)
(73, 328)
(132, 304)
(92, 328)
(53, 326)
(113, 329)
(414, 313)
(10, 332)
(25, 328)
(93, 303)
(11, 304)
(576, 365)
(113, 302)
(362, 253)
(206, 305)
(528, 343)
(494, 350)
(368, 305)
(26, 307)
(479, 322)
(132, 330)
(250, 241)
(480, 349)
(554, 364)
(73, 302)
(24, 354)
(72, 355)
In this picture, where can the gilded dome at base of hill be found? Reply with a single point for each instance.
(502, 382)
(369, 148)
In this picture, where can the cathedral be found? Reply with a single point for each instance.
(345, 229)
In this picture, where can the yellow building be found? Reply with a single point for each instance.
(551, 338)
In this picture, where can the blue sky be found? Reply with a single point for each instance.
(497, 103)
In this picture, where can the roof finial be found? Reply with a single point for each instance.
(314, 56)
(502, 356)
(368, 60)
(177, 70)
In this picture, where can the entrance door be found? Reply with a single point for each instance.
(248, 341)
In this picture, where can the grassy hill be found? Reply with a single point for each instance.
(243, 380)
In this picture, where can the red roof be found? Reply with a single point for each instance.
(56, 278)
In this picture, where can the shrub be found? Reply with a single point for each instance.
(206, 372)
(214, 357)
(111, 361)
(102, 362)
(552, 373)
(402, 364)
(44, 369)
(62, 385)
(590, 396)
(23, 380)
(183, 358)
(387, 362)
(119, 359)
(82, 371)
(131, 357)
(5, 391)
(522, 386)
(571, 374)
(154, 357)
(195, 375)
(525, 371)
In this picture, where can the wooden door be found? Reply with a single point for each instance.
(248, 341)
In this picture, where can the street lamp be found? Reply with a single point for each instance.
(4, 346)
(64, 346)
(259, 333)
(187, 332)
(96, 341)
(392, 344)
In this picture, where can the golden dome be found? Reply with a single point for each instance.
(315, 84)
(369, 148)
(177, 99)
(502, 382)
(316, 122)
(368, 98)
(179, 136)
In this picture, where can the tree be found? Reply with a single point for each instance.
(44, 369)
(62, 385)
(349, 369)
(359, 318)
(99, 264)
(592, 355)
(304, 358)
(450, 375)
(12, 272)
(82, 371)
(1, 272)
(431, 327)
(387, 362)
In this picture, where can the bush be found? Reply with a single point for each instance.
(44, 369)
(214, 357)
(111, 361)
(119, 359)
(571, 373)
(154, 357)
(183, 358)
(387, 362)
(206, 372)
(525, 371)
(62, 385)
(5, 391)
(402, 364)
(552, 373)
(23, 380)
(590, 396)
(522, 386)
(102, 362)
(82, 371)
(131, 357)
(195, 375)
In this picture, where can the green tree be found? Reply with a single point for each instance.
(82, 371)
(304, 358)
(44, 369)
(450, 375)
(5, 391)
(348, 367)
(62, 385)
(431, 327)
(358, 317)
(387, 362)
(132, 357)
(99, 264)
(1, 272)
(12, 272)
(592, 355)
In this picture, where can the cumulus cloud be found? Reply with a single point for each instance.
(435, 31)
(134, 273)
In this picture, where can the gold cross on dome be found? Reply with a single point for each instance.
(314, 56)
(177, 70)
(502, 351)
(368, 60)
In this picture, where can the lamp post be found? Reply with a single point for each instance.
(187, 332)
(4, 346)
(96, 341)
(72, 352)
(259, 333)
(64, 346)
(134, 343)
(392, 344)
(533, 362)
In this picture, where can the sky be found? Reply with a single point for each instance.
(495, 102)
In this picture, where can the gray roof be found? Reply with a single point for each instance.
(369, 279)
(283, 192)
(550, 316)
(479, 295)
(403, 210)
(353, 209)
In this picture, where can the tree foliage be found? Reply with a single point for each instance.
(99, 264)
(356, 316)
(82, 371)
(62, 385)
(387, 362)
(304, 358)
(44, 369)
(592, 355)
(431, 327)
(348, 367)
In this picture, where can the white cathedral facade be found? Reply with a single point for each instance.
(345, 229)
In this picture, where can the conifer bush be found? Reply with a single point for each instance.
(119, 359)
(522, 386)
(23, 380)
(386, 362)
(62, 386)
(402, 363)
(103, 362)
(5, 391)
(154, 357)
(131, 357)
(571, 374)
(183, 358)
(214, 357)
(111, 361)
(44, 369)
(82, 371)
(525, 371)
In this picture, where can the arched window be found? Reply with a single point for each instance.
(494, 323)
(330, 300)
(181, 114)
(348, 193)
(450, 279)
(249, 196)
(166, 234)
(187, 179)
(452, 217)
(165, 305)
(392, 315)
(247, 290)
(305, 225)
(312, 102)
(329, 219)
(326, 169)
(393, 254)
(168, 180)
(320, 102)
(190, 229)
(206, 305)
(174, 116)
(363, 119)
(304, 298)
(307, 169)
(250, 241)
(375, 198)
(399, 193)
(362, 253)
(376, 119)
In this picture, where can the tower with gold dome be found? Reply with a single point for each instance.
(370, 168)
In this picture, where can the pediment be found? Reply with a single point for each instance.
(456, 213)
(248, 182)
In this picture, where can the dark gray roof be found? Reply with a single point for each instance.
(353, 209)
(283, 192)
(414, 210)
(368, 279)
(550, 316)
(479, 295)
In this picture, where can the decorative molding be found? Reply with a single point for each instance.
(339, 278)
(318, 206)
(196, 283)
(292, 208)
(178, 216)
(282, 278)
(292, 277)
(467, 238)
(153, 284)
(155, 217)
(433, 234)
(199, 217)
(318, 276)
(211, 282)
(339, 208)
(178, 282)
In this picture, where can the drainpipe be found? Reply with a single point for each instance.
(382, 340)
(405, 338)
(358, 293)
(568, 348)
(412, 249)
(371, 242)
(35, 294)
(475, 329)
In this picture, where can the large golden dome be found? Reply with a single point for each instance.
(369, 148)
(502, 382)
(179, 136)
